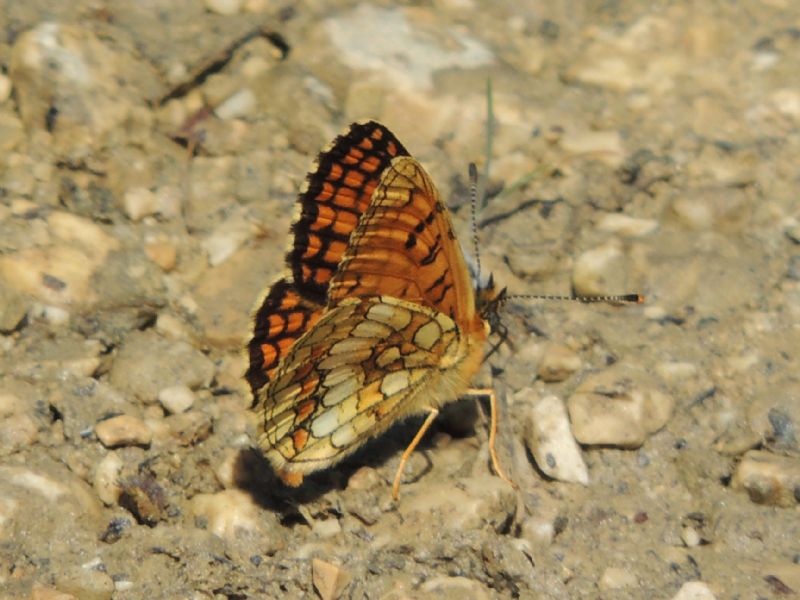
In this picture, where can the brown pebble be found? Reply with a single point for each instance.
(123, 430)
(329, 579)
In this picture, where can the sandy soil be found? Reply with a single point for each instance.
(150, 155)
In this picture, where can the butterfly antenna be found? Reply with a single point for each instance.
(584, 298)
(473, 201)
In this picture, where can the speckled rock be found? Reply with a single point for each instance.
(774, 414)
(147, 363)
(549, 438)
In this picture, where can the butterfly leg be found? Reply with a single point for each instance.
(403, 459)
(493, 433)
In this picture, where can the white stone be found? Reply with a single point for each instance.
(229, 513)
(691, 538)
(106, 478)
(242, 103)
(614, 578)
(228, 237)
(176, 398)
(694, 590)
(600, 270)
(550, 440)
(139, 202)
(325, 528)
(626, 225)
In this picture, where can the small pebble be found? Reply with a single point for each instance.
(41, 592)
(550, 440)
(769, 478)
(139, 202)
(626, 225)
(600, 270)
(176, 398)
(615, 578)
(241, 104)
(363, 479)
(189, 428)
(86, 583)
(690, 537)
(694, 590)
(169, 200)
(224, 7)
(123, 430)
(163, 253)
(538, 530)
(106, 478)
(325, 528)
(228, 513)
(605, 146)
(618, 407)
(329, 580)
(558, 362)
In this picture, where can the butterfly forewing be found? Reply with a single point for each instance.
(405, 247)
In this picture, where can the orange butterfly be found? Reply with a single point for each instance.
(378, 320)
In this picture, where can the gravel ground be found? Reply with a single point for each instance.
(150, 155)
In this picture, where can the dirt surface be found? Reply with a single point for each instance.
(150, 156)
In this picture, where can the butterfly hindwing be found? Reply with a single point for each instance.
(365, 364)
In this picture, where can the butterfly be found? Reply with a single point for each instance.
(377, 318)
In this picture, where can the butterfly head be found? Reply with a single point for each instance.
(488, 300)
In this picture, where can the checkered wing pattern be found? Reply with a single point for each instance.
(399, 334)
